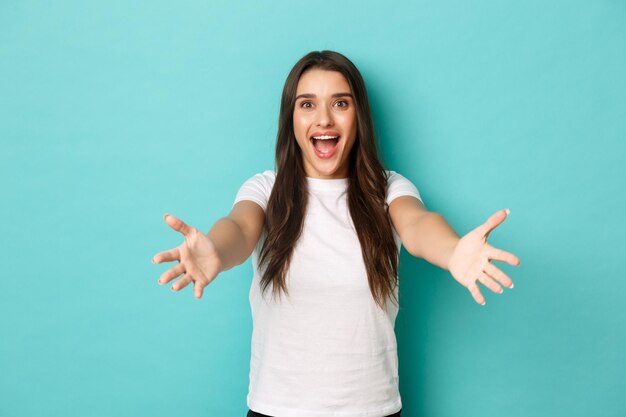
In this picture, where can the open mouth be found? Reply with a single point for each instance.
(325, 145)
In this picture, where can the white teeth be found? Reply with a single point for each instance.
(325, 137)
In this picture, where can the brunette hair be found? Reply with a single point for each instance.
(367, 182)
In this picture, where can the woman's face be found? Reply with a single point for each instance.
(324, 108)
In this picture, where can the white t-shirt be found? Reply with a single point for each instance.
(327, 350)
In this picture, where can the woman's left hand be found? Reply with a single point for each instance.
(470, 260)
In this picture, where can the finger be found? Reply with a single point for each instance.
(182, 283)
(177, 224)
(488, 282)
(167, 256)
(171, 273)
(503, 256)
(475, 291)
(492, 222)
(198, 287)
(497, 274)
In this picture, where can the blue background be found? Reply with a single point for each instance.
(114, 113)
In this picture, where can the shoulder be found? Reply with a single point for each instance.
(392, 176)
(268, 175)
(398, 185)
(265, 178)
(257, 188)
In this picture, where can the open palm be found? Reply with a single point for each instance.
(470, 262)
(197, 256)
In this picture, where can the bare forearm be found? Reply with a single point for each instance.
(230, 243)
(432, 239)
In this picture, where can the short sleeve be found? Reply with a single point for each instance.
(257, 188)
(397, 186)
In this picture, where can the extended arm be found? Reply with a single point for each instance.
(236, 235)
(427, 235)
(201, 257)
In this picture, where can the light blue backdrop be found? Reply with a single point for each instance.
(113, 113)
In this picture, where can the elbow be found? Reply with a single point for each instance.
(411, 248)
(413, 236)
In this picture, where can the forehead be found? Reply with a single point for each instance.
(322, 82)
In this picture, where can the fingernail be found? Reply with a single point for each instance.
(172, 288)
(511, 286)
(160, 283)
(165, 215)
(507, 211)
(153, 261)
(501, 290)
(484, 302)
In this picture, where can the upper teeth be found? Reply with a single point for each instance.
(325, 137)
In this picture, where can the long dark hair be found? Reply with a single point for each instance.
(367, 182)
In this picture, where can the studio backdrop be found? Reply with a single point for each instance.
(114, 113)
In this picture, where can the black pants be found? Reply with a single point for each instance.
(255, 414)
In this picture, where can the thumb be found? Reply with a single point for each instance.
(493, 221)
(177, 224)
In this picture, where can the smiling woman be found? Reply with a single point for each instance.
(324, 230)
(325, 95)
(324, 100)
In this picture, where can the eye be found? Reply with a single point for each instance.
(345, 103)
(306, 104)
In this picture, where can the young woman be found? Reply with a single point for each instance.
(324, 231)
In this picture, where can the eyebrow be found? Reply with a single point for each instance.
(309, 95)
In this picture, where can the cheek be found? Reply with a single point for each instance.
(299, 124)
(300, 133)
(348, 115)
(349, 121)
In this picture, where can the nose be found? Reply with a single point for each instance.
(324, 117)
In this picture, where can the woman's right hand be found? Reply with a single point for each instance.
(197, 256)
